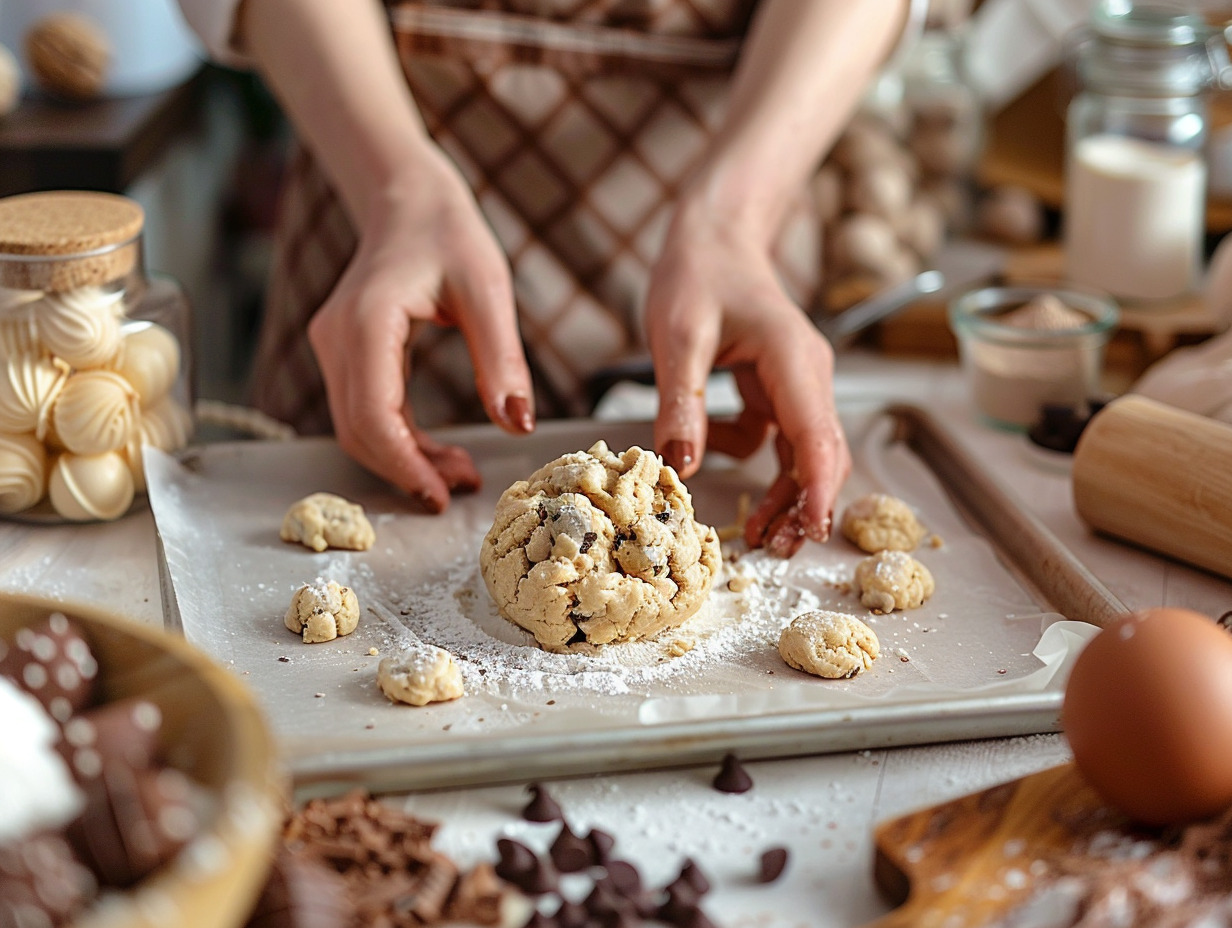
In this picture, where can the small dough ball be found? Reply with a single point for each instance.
(867, 140)
(95, 412)
(832, 645)
(322, 611)
(420, 674)
(922, 227)
(23, 472)
(879, 522)
(324, 520)
(149, 359)
(81, 327)
(892, 580)
(599, 547)
(68, 55)
(88, 487)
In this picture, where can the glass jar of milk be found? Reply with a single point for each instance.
(1135, 187)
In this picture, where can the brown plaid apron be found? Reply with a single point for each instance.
(575, 123)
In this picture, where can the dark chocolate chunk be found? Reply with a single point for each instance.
(587, 540)
(571, 853)
(603, 843)
(123, 732)
(681, 899)
(41, 882)
(732, 777)
(691, 874)
(540, 880)
(695, 917)
(134, 820)
(542, 807)
(773, 862)
(53, 663)
(605, 905)
(539, 920)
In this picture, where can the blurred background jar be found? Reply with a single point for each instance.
(1136, 174)
(94, 357)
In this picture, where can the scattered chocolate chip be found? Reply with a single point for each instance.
(624, 877)
(604, 905)
(516, 860)
(572, 915)
(732, 777)
(695, 917)
(681, 897)
(542, 807)
(540, 880)
(571, 853)
(284, 660)
(692, 875)
(587, 540)
(773, 862)
(539, 920)
(603, 843)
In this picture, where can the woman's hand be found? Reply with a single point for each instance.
(425, 254)
(715, 300)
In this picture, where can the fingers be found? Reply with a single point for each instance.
(742, 437)
(361, 352)
(481, 298)
(683, 350)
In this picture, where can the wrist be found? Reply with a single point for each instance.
(734, 197)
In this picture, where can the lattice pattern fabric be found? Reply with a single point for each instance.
(575, 122)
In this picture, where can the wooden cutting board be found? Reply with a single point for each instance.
(970, 861)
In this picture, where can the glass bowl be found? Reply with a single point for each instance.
(1029, 345)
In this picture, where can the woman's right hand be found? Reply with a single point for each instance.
(425, 255)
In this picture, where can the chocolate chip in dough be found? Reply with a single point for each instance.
(772, 864)
(732, 777)
(542, 807)
(691, 874)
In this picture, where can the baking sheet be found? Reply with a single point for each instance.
(980, 658)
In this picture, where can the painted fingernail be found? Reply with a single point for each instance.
(467, 484)
(518, 412)
(678, 454)
(430, 503)
(786, 538)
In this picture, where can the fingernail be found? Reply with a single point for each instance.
(430, 503)
(678, 454)
(518, 412)
(467, 484)
(786, 539)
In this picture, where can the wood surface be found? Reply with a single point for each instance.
(968, 862)
(1159, 477)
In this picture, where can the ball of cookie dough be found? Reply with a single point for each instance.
(324, 520)
(420, 674)
(598, 547)
(829, 644)
(322, 611)
(892, 580)
(878, 522)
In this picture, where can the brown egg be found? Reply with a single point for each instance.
(1148, 715)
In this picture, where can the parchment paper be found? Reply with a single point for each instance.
(980, 648)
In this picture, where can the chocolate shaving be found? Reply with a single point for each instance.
(772, 864)
(542, 807)
(732, 777)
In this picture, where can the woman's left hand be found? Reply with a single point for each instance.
(715, 301)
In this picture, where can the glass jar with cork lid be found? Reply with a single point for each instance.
(94, 359)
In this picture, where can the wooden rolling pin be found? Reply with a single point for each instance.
(1159, 477)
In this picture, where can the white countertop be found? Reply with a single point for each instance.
(823, 809)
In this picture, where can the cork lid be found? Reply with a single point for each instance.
(61, 240)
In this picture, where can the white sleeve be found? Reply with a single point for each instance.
(214, 23)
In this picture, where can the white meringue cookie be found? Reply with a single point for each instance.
(96, 411)
(18, 331)
(166, 426)
(11, 300)
(29, 386)
(81, 326)
(149, 359)
(85, 487)
(23, 472)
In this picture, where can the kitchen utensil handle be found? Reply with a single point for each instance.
(880, 306)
